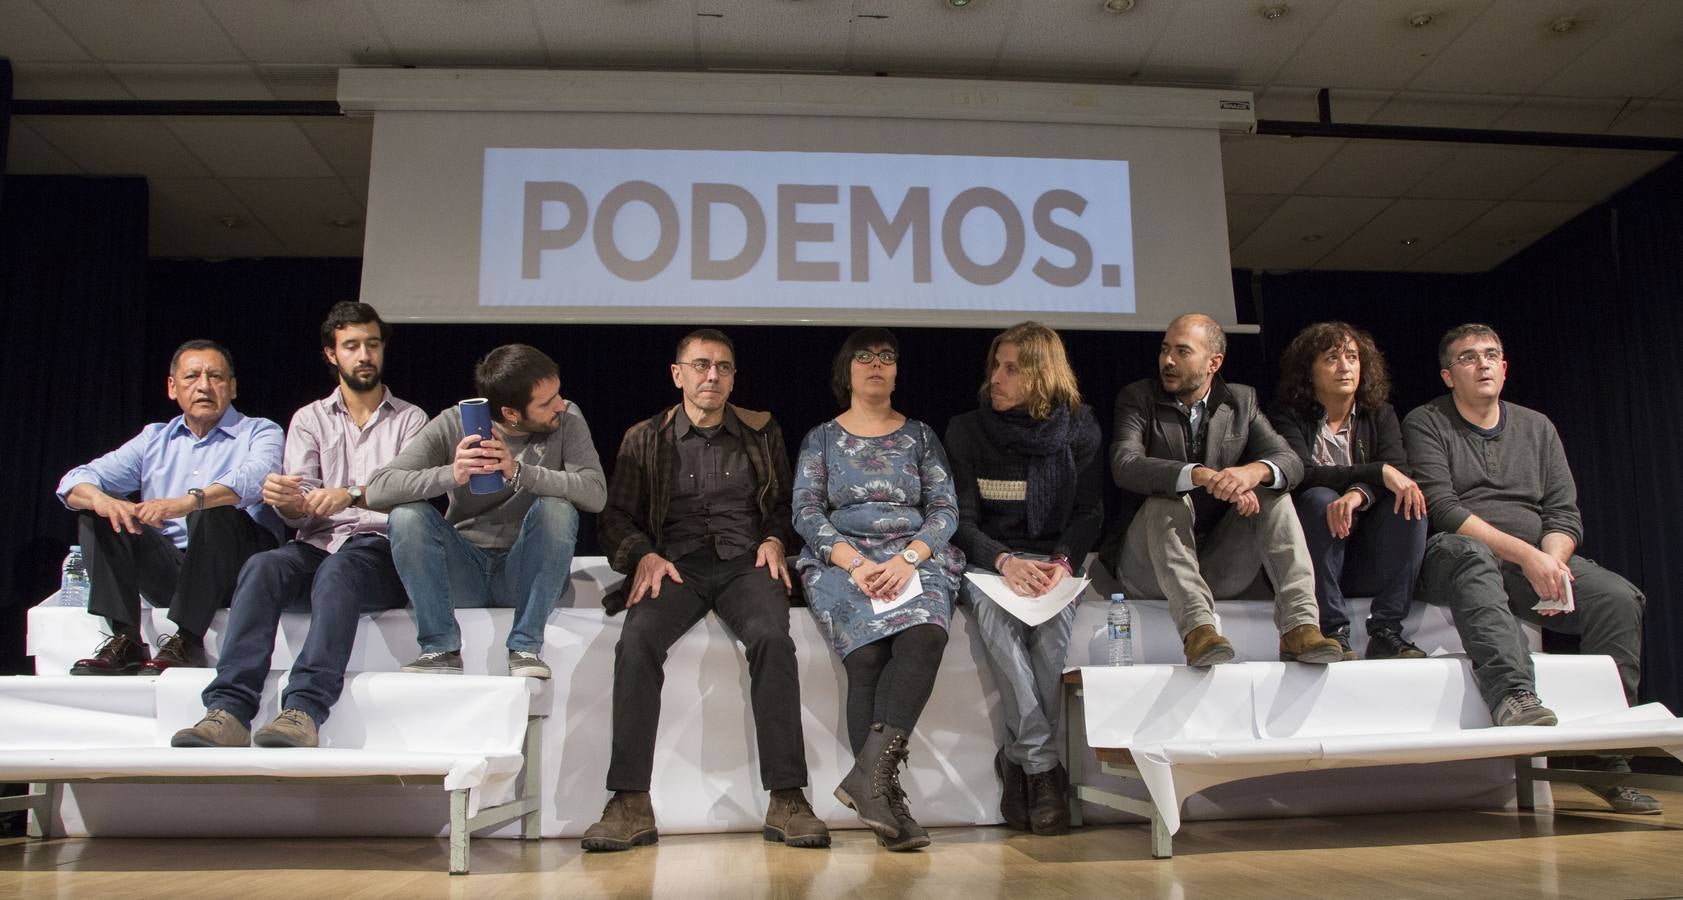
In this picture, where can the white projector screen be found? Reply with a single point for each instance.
(656, 215)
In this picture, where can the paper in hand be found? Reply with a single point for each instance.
(914, 587)
(1564, 604)
(1031, 610)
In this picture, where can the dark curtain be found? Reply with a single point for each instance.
(72, 377)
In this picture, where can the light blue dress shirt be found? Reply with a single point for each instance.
(165, 459)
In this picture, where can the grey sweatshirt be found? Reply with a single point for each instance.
(562, 464)
(1518, 481)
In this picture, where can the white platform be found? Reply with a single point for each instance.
(706, 773)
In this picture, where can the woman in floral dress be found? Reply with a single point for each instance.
(874, 501)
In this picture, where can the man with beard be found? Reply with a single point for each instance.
(511, 548)
(339, 566)
(1209, 476)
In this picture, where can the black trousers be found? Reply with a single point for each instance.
(756, 609)
(194, 583)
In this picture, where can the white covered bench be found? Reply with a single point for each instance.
(473, 735)
(1179, 731)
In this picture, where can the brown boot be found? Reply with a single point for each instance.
(1206, 647)
(218, 728)
(627, 821)
(871, 783)
(292, 728)
(790, 820)
(1306, 644)
(1049, 801)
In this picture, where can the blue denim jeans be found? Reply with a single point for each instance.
(444, 572)
(335, 589)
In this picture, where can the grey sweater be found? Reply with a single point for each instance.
(567, 468)
(1518, 481)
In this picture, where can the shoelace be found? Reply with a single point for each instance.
(438, 654)
(896, 794)
(172, 644)
(1525, 700)
(114, 643)
(293, 717)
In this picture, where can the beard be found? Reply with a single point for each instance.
(360, 381)
(537, 427)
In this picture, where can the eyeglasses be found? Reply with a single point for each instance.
(1472, 357)
(726, 367)
(864, 357)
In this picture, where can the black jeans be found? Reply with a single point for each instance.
(1381, 557)
(194, 583)
(756, 609)
(335, 589)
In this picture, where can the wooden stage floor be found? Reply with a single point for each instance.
(1579, 850)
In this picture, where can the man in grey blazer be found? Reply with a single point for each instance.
(1208, 479)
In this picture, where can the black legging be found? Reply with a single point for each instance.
(890, 680)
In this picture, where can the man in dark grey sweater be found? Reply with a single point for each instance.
(510, 548)
(1505, 523)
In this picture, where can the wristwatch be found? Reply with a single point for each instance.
(856, 563)
(909, 555)
(355, 494)
(198, 495)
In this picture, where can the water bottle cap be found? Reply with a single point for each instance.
(1117, 597)
(75, 548)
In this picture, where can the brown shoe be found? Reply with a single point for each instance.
(175, 650)
(1206, 647)
(790, 820)
(218, 728)
(1049, 801)
(292, 728)
(627, 821)
(1306, 644)
(117, 656)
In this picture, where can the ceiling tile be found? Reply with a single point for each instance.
(1375, 168)
(345, 142)
(311, 216)
(1247, 211)
(779, 34)
(1591, 176)
(118, 145)
(1511, 48)
(186, 220)
(1656, 118)
(1265, 164)
(450, 32)
(359, 189)
(1459, 257)
(1487, 171)
(156, 31)
(31, 35)
(969, 39)
(1077, 39)
(28, 153)
(1443, 110)
(1370, 44)
(337, 34)
(250, 147)
(624, 34)
(66, 81)
(1404, 232)
(1653, 35)
(1280, 241)
(1221, 42)
(1555, 114)
(1506, 229)
(198, 82)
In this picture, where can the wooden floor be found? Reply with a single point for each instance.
(1579, 850)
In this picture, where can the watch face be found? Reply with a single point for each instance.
(909, 555)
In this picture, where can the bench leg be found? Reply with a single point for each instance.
(531, 824)
(1524, 784)
(459, 835)
(44, 810)
(1075, 748)
(1162, 843)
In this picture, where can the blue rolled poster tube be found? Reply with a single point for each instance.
(476, 419)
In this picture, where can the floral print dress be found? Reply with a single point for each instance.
(878, 494)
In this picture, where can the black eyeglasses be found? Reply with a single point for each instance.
(726, 367)
(864, 357)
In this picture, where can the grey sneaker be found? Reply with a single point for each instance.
(1626, 799)
(292, 728)
(1522, 708)
(527, 665)
(218, 728)
(444, 662)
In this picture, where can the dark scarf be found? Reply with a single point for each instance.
(1050, 446)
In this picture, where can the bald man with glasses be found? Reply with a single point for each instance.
(698, 519)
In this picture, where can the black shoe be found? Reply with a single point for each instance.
(1341, 634)
(1049, 801)
(1386, 642)
(1013, 796)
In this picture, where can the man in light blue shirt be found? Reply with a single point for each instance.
(200, 515)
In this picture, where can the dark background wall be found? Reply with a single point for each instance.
(1585, 314)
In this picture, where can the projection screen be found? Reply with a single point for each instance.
(660, 197)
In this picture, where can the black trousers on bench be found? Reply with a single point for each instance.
(194, 583)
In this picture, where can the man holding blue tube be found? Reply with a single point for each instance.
(511, 547)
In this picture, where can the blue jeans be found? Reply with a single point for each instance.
(1381, 557)
(335, 588)
(444, 572)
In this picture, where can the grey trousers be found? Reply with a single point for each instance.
(1028, 666)
(1488, 597)
(1161, 557)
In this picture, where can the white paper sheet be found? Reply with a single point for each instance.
(914, 587)
(1565, 604)
(1031, 610)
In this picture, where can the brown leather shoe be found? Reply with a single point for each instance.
(292, 728)
(1306, 644)
(627, 821)
(790, 820)
(1049, 801)
(174, 650)
(1205, 646)
(218, 728)
(117, 656)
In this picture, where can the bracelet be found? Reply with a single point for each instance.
(1064, 561)
(514, 480)
(856, 563)
(999, 561)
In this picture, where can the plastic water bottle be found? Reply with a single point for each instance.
(1119, 628)
(73, 583)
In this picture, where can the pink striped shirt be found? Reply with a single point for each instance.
(327, 448)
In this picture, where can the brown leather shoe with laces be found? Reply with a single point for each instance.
(627, 821)
(790, 820)
(119, 655)
(292, 728)
(218, 728)
(174, 650)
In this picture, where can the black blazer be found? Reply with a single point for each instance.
(1375, 439)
